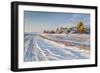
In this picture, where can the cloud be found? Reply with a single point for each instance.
(80, 17)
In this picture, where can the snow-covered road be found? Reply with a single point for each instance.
(37, 48)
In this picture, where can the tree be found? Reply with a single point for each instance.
(52, 31)
(44, 31)
(80, 28)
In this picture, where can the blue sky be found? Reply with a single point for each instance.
(38, 21)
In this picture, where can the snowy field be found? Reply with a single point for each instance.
(37, 48)
(73, 38)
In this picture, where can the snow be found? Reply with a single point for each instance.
(37, 48)
(73, 38)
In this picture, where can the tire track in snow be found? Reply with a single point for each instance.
(43, 50)
(44, 53)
